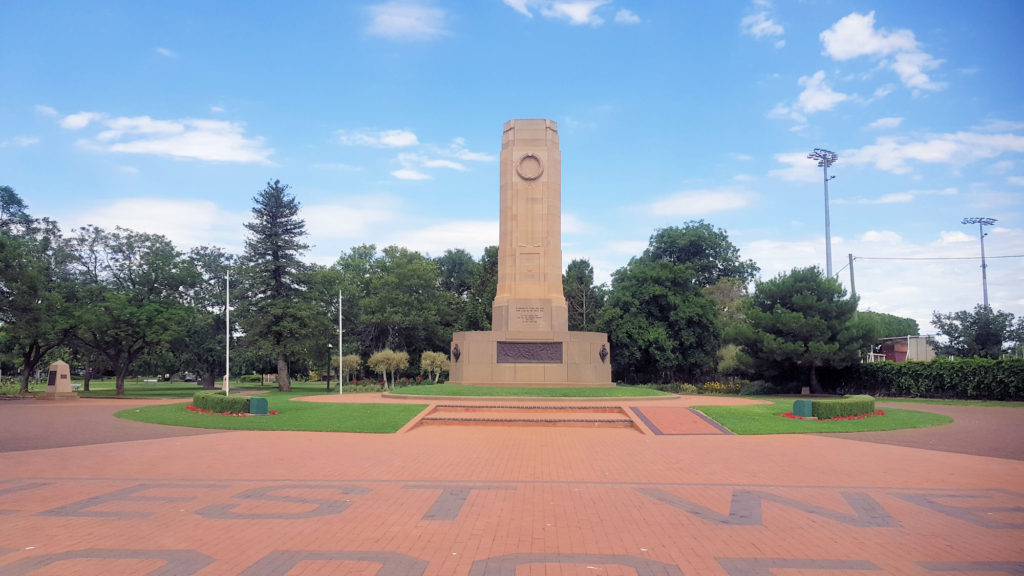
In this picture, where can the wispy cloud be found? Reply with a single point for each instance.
(688, 203)
(895, 155)
(166, 52)
(798, 168)
(19, 142)
(410, 174)
(378, 139)
(406, 21)
(854, 36)
(885, 123)
(575, 12)
(46, 110)
(196, 139)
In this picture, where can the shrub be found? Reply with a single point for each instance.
(717, 387)
(755, 388)
(218, 402)
(251, 378)
(847, 406)
(688, 389)
(974, 378)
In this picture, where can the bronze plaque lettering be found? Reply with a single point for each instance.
(529, 352)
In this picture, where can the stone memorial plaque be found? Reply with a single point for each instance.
(529, 352)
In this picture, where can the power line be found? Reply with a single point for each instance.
(934, 257)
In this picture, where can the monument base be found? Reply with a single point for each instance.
(530, 359)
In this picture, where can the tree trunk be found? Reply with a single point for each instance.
(86, 379)
(283, 383)
(119, 386)
(207, 381)
(26, 375)
(815, 385)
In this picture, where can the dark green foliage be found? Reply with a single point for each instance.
(481, 297)
(582, 297)
(977, 378)
(219, 403)
(251, 378)
(888, 326)
(803, 319)
(983, 333)
(706, 250)
(273, 302)
(824, 409)
(12, 209)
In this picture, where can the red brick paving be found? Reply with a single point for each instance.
(479, 501)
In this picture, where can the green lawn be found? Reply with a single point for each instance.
(140, 389)
(458, 390)
(994, 403)
(309, 416)
(765, 419)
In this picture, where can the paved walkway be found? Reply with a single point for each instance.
(502, 501)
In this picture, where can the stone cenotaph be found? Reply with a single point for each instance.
(530, 343)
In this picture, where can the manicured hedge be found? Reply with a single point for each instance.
(218, 402)
(848, 406)
(976, 378)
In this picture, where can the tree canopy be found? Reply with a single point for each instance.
(982, 333)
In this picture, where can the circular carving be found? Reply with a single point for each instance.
(529, 167)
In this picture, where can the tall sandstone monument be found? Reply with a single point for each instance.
(530, 343)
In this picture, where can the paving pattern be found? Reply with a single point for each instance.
(480, 501)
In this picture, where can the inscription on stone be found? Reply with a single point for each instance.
(530, 315)
(529, 352)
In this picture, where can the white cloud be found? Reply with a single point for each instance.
(855, 35)
(759, 25)
(817, 95)
(881, 236)
(957, 237)
(166, 52)
(337, 166)
(441, 163)
(520, 6)
(578, 13)
(20, 142)
(999, 126)
(458, 150)
(196, 139)
(216, 109)
(800, 168)
(406, 21)
(186, 222)
(352, 218)
(894, 154)
(128, 169)
(628, 247)
(45, 110)
(410, 174)
(571, 224)
(381, 139)
(80, 120)
(434, 239)
(700, 202)
(886, 123)
(1016, 180)
(894, 198)
(626, 17)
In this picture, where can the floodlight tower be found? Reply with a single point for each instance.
(825, 159)
(982, 222)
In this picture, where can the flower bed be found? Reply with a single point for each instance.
(194, 408)
(853, 417)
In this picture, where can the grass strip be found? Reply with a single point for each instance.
(765, 419)
(304, 416)
(530, 392)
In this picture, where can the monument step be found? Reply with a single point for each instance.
(528, 415)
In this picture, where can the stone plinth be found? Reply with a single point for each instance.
(58, 383)
(530, 358)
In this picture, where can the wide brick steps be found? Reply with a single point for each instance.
(527, 415)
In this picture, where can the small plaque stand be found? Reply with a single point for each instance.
(58, 383)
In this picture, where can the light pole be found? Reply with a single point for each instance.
(825, 159)
(982, 222)
(329, 366)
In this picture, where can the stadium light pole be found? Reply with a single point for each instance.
(825, 159)
(982, 222)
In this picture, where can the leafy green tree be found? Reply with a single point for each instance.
(888, 325)
(350, 364)
(13, 211)
(202, 349)
(272, 301)
(582, 297)
(660, 326)
(982, 333)
(128, 298)
(34, 280)
(706, 250)
(434, 363)
(484, 288)
(803, 319)
(457, 271)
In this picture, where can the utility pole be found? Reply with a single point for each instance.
(853, 286)
(825, 159)
(982, 222)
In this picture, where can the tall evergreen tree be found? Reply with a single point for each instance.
(582, 297)
(273, 302)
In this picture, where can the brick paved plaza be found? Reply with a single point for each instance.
(489, 500)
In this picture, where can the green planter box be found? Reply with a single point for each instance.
(258, 405)
(802, 408)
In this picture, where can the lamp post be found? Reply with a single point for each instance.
(825, 159)
(329, 366)
(982, 222)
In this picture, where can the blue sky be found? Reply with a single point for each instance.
(386, 119)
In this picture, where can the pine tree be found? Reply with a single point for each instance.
(274, 304)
